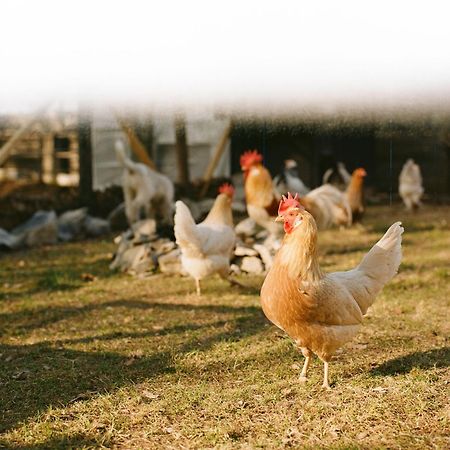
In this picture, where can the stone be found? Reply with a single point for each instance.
(246, 227)
(235, 269)
(9, 241)
(171, 263)
(94, 226)
(144, 229)
(41, 229)
(135, 260)
(263, 234)
(265, 254)
(70, 224)
(240, 250)
(252, 264)
(162, 246)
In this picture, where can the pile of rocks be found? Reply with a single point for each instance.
(44, 227)
(142, 252)
(255, 249)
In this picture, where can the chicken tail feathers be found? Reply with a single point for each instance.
(382, 261)
(185, 228)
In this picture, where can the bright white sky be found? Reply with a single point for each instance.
(247, 53)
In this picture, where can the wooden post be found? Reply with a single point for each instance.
(136, 145)
(85, 159)
(182, 150)
(48, 155)
(218, 152)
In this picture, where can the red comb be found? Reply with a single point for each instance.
(226, 188)
(288, 202)
(250, 157)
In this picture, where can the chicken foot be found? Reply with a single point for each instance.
(303, 373)
(307, 354)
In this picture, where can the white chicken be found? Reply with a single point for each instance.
(410, 185)
(290, 179)
(206, 248)
(144, 190)
(329, 206)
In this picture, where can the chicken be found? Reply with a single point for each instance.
(355, 194)
(290, 180)
(319, 311)
(206, 248)
(260, 195)
(145, 190)
(410, 185)
(337, 175)
(329, 206)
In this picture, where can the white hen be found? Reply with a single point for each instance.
(144, 190)
(329, 206)
(410, 185)
(206, 247)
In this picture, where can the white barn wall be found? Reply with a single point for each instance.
(202, 134)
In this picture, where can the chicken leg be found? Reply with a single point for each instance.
(307, 354)
(303, 373)
(325, 384)
(197, 285)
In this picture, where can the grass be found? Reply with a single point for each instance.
(131, 363)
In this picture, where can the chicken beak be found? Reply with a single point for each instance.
(279, 219)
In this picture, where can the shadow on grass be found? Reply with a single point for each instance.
(437, 357)
(61, 442)
(65, 277)
(34, 377)
(28, 320)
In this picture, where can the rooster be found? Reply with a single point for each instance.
(355, 193)
(260, 195)
(319, 311)
(410, 185)
(327, 204)
(206, 247)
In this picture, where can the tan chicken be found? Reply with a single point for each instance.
(355, 194)
(260, 195)
(319, 311)
(327, 204)
(206, 247)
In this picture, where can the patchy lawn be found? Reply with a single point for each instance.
(127, 363)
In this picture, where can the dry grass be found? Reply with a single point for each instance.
(126, 363)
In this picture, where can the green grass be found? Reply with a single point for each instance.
(129, 363)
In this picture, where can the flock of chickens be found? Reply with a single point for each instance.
(319, 311)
